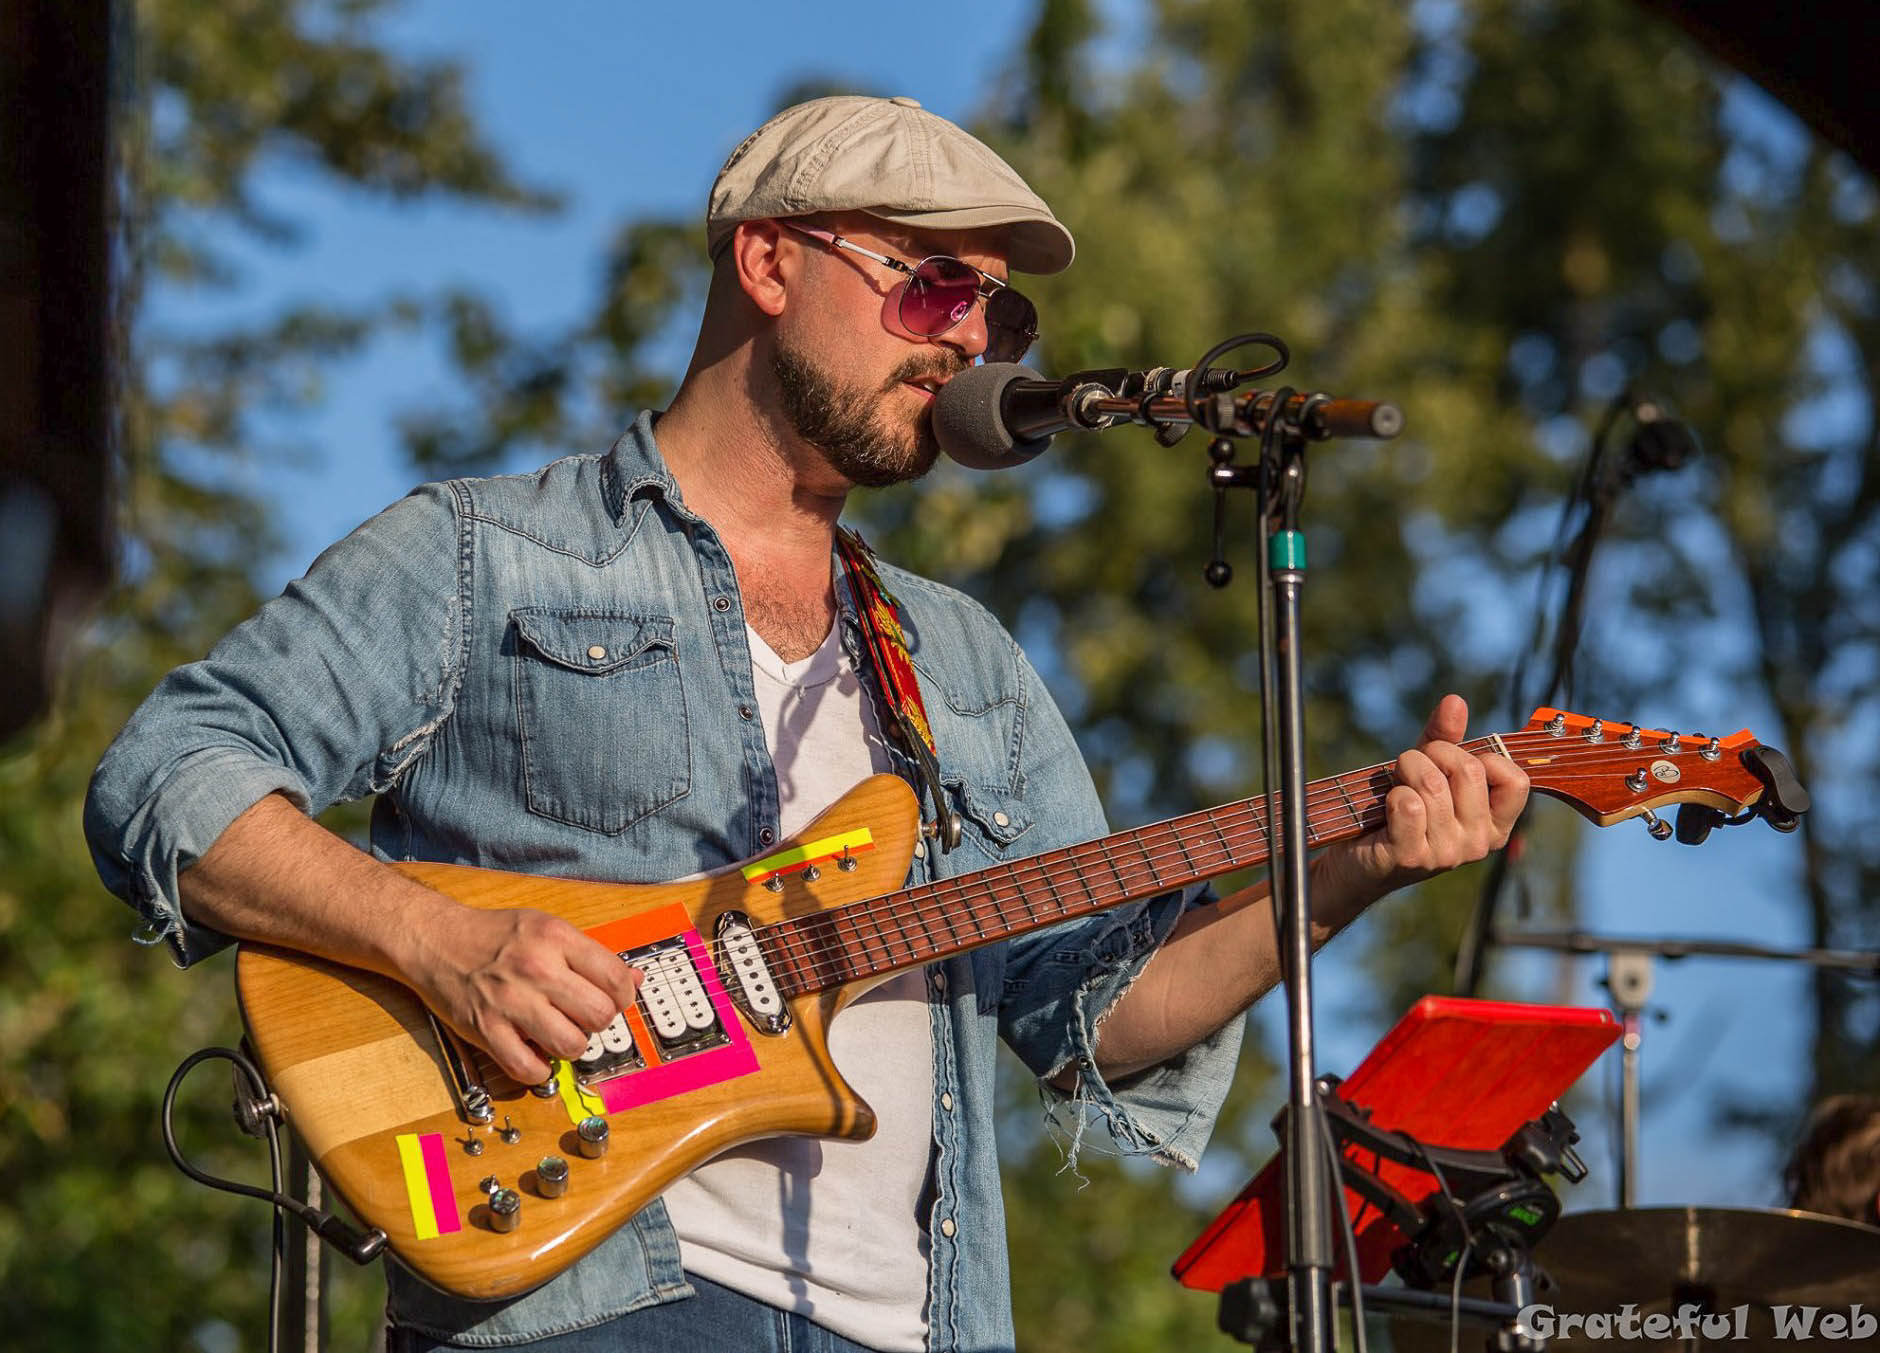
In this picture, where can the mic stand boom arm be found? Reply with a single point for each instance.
(1315, 417)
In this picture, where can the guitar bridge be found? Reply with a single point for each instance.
(675, 1011)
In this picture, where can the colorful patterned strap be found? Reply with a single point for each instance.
(895, 678)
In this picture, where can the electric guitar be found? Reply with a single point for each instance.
(744, 970)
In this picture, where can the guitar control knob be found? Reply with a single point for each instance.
(505, 1210)
(551, 1176)
(592, 1133)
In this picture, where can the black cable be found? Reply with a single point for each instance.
(1192, 391)
(1355, 1277)
(244, 1069)
(359, 1246)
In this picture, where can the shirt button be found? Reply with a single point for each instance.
(766, 835)
(744, 711)
(597, 653)
(946, 1100)
(946, 1227)
(940, 982)
(721, 604)
(1002, 819)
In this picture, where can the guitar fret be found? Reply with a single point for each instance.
(1155, 875)
(1227, 851)
(1350, 807)
(1187, 858)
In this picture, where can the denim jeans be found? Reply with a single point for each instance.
(717, 1319)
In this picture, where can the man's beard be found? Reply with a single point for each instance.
(849, 426)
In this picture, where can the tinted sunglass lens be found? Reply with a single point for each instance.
(1011, 326)
(939, 295)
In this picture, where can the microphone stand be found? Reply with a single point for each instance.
(1279, 484)
(1284, 420)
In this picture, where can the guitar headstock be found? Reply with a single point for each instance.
(1613, 771)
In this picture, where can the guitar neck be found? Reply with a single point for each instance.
(950, 916)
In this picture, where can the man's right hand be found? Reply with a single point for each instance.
(523, 985)
(518, 983)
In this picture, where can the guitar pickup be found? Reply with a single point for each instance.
(608, 1053)
(674, 1007)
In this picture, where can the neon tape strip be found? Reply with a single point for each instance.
(787, 861)
(427, 1185)
(578, 1102)
(649, 927)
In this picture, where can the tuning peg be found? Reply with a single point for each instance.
(1657, 826)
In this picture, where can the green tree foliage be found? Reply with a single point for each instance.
(103, 1245)
(1502, 215)
(1499, 213)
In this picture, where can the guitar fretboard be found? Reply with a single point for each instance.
(950, 916)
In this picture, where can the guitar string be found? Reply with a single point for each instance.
(809, 955)
(821, 964)
(804, 955)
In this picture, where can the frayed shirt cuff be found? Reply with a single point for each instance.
(1165, 1112)
(175, 827)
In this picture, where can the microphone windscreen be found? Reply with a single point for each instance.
(969, 423)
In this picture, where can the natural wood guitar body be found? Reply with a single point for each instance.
(353, 1058)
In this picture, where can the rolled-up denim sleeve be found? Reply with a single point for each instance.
(1062, 983)
(327, 693)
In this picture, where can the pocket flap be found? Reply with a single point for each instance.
(1000, 817)
(591, 641)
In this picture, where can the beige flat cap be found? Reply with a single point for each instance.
(890, 158)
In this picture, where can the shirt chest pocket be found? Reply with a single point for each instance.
(601, 716)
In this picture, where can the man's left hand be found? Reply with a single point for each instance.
(1449, 807)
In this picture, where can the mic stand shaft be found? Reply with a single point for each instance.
(1281, 476)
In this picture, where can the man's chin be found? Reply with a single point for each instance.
(878, 468)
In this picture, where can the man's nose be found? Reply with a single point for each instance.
(969, 337)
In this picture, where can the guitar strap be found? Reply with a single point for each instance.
(896, 684)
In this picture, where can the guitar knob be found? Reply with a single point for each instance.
(551, 1176)
(505, 1210)
(592, 1134)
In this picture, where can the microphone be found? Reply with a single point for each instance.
(1001, 414)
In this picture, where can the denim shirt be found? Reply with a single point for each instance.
(440, 657)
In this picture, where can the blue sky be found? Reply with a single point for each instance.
(629, 110)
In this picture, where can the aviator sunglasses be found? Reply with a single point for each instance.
(940, 293)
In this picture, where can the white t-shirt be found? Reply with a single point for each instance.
(828, 1229)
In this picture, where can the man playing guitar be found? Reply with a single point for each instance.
(649, 663)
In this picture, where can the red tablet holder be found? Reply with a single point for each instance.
(1453, 1072)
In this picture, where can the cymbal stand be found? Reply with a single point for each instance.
(1629, 979)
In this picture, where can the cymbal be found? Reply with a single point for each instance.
(1661, 1258)
(1720, 1257)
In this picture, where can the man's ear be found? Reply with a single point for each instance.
(763, 265)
